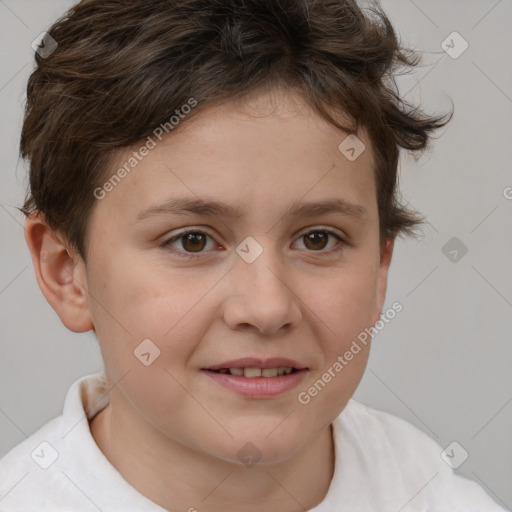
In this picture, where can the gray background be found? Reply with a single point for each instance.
(444, 363)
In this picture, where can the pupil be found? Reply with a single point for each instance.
(317, 236)
(194, 238)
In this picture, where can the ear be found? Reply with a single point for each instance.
(60, 273)
(382, 281)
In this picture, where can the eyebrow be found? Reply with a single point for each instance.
(209, 207)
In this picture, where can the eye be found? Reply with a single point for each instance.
(317, 239)
(191, 241)
(194, 241)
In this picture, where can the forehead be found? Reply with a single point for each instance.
(260, 154)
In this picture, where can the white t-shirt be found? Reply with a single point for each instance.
(382, 464)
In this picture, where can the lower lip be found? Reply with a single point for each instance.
(258, 387)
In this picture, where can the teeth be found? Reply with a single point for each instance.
(257, 372)
(252, 372)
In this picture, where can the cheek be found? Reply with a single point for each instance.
(147, 302)
(138, 297)
(343, 309)
(345, 304)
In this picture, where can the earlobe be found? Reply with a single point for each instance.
(60, 274)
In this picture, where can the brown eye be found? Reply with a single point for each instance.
(188, 243)
(316, 240)
(193, 242)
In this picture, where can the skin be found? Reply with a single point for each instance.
(169, 429)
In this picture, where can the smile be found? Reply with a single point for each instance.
(258, 382)
(257, 372)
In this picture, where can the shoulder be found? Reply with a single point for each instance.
(395, 453)
(60, 467)
(34, 475)
(25, 469)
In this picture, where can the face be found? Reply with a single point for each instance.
(262, 284)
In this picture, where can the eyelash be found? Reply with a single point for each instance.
(337, 248)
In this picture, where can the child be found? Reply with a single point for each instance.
(270, 131)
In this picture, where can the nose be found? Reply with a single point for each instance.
(261, 296)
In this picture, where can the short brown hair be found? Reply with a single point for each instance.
(122, 67)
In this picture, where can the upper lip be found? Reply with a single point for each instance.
(253, 362)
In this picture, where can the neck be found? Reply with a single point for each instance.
(177, 477)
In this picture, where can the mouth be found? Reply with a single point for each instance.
(255, 367)
(252, 373)
(256, 378)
